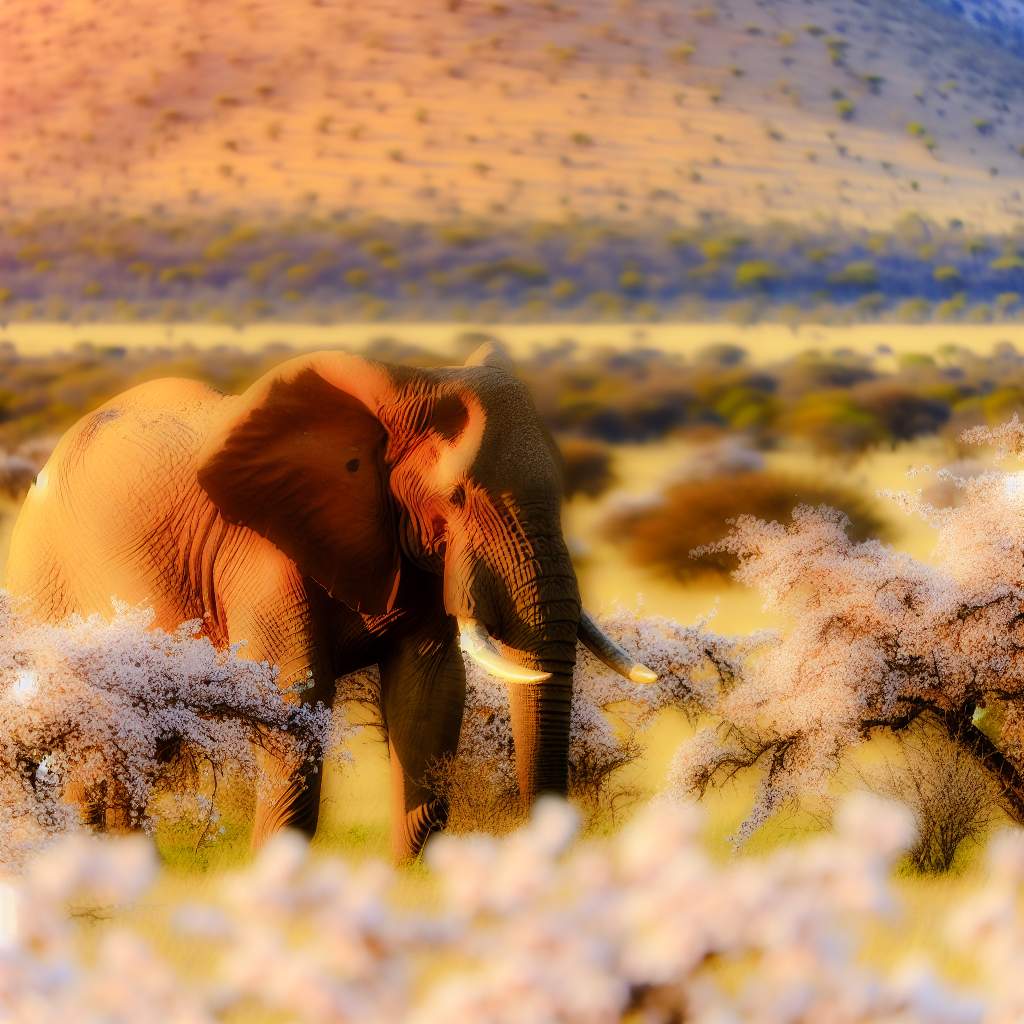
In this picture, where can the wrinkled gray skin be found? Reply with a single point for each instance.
(340, 513)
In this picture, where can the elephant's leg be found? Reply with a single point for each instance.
(423, 688)
(288, 630)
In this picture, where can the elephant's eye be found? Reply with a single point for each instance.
(352, 465)
(458, 498)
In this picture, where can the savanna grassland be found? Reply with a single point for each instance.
(664, 438)
(749, 256)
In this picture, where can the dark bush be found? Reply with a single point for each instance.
(587, 466)
(902, 413)
(695, 512)
(833, 422)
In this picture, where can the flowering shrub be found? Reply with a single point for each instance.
(878, 640)
(109, 711)
(531, 926)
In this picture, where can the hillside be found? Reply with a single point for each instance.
(531, 109)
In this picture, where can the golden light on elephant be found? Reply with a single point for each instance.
(340, 513)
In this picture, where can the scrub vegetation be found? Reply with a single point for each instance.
(235, 270)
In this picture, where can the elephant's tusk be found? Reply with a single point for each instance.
(607, 650)
(477, 643)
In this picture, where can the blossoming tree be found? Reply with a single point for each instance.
(876, 640)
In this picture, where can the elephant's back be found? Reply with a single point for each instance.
(93, 506)
(141, 440)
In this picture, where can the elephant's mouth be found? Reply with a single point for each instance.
(500, 660)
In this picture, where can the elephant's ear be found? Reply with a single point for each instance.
(301, 461)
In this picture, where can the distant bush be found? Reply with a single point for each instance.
(833, 422)
(722, 354)
(947, 275)
(951, 308)
(859, 274)
(837, 48)
(1010, 261)
(846, 108)
(682, 53)
(695, 512)
(587, 467)
(757, 274)
(902, 413)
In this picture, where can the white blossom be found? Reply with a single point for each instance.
(117, 709)
(873, 639)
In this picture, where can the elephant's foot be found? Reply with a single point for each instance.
(415, 827)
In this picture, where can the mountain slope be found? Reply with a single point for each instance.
(531, 109)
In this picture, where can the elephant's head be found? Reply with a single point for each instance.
(356, 469)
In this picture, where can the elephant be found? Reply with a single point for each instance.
(340, 513)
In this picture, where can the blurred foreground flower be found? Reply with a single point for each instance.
(530, 927)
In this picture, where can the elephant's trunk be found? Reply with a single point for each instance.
(540, 727)
(546, 622)
(518, 607)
